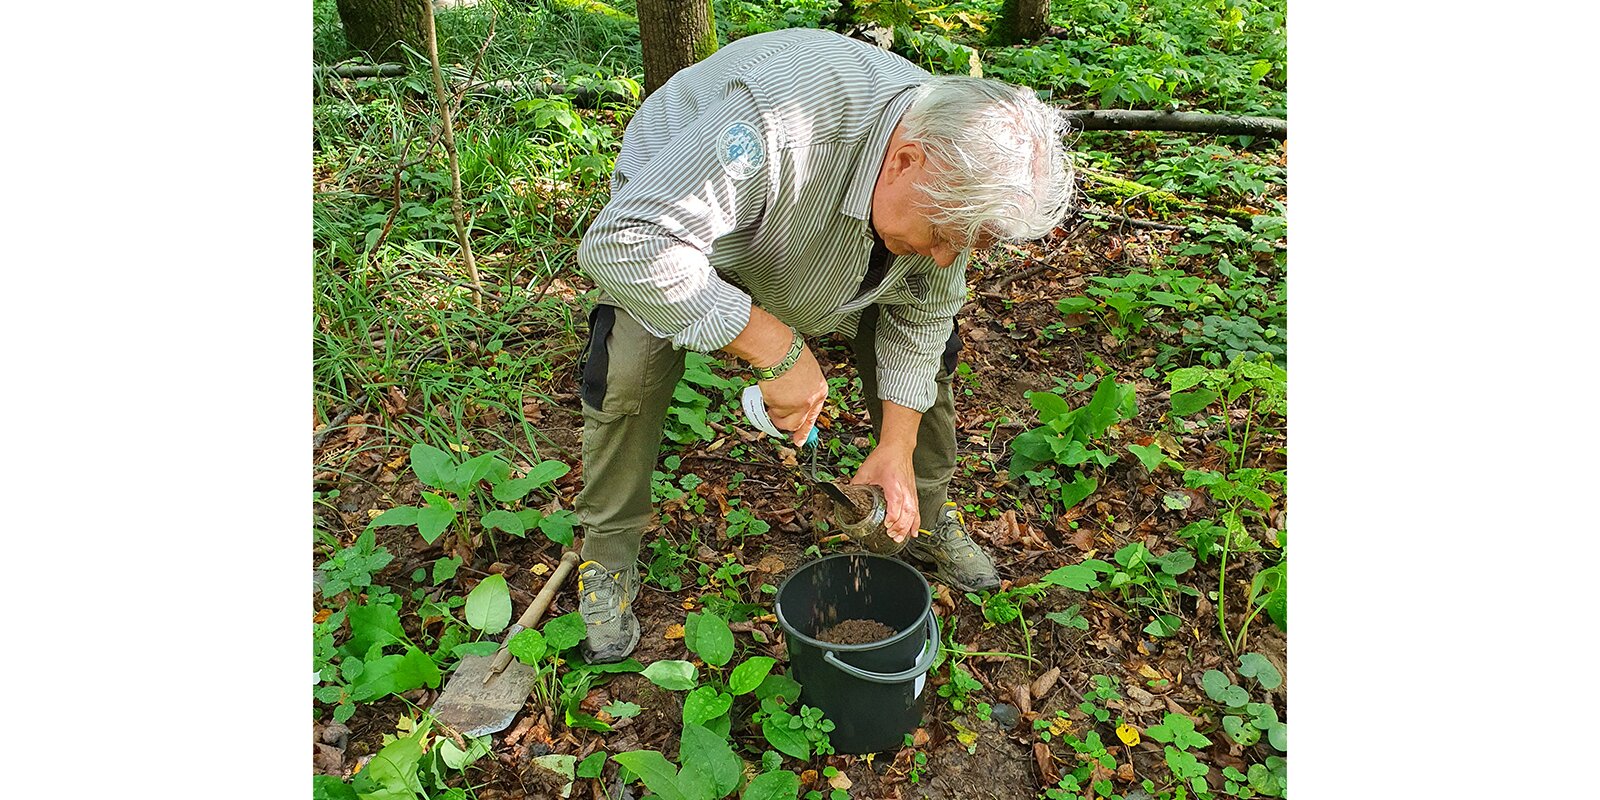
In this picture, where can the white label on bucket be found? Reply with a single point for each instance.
(916, 688)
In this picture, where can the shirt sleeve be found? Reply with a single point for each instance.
(911, 338)
(649, 247)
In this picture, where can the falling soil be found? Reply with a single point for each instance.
(856, 631)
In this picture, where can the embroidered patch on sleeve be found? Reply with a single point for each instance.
(740, 151)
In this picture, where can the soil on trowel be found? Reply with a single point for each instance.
(856, 631)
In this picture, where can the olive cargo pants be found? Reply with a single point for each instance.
(627, 384)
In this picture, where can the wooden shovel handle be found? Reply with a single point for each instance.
(530, 618)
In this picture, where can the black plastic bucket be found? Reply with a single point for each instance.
(872, 691)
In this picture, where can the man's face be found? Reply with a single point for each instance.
(897, 215)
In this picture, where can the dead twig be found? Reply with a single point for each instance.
(448, 126)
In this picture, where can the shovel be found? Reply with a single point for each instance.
(486, 692)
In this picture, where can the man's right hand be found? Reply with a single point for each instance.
(794, 399)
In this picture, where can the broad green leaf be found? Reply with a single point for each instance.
(394, 675)
(1164, 625)
(399, 515)
(489, 605)
(1074, 493)
(777, 785)
(1031, 449)
(435, 517)
(577, 718)
(328, 787)
(1242, 734)
(376, 624)
(392, 772)
(1069, 618)
(456, 758)
(708, 761)
(558, 526)
(1076, 305)
(1049, 405)
(1072, 576)
(1176, 562)
(655, 771)
(1149, 455)
(528, 646)
(675, 675)
(749, 675)
(487, 647)
(713, 641)
(1184, 764)
(564, 631)
(625, 665)
(1255, 665)
(431, 465)
(622, 709)
(473, 470)
(592, 766)
(1069, 452)
(785, 739)
(779, 686)
(1214, 682)
(501, 519)
(542, 473)
(1102, 412)
(445, 568)
(1278, 736)
(1186, 403)
(704, 704)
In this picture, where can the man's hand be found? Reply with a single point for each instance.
(889, 466)
(794, 399)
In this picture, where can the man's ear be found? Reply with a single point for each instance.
(903, 157)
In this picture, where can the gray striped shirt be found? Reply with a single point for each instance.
(749, 176)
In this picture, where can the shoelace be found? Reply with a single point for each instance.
(605, 589)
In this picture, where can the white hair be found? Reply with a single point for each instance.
(997, 167)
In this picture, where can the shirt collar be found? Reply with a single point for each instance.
(858, 195)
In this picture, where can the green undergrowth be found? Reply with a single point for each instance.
(450, 393)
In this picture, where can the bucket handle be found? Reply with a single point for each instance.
(924, 661)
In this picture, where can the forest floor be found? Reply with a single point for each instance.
(1014, 342)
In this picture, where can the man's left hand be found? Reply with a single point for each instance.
(891, 469)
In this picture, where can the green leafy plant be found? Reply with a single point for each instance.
(1245, 722)
(1065, 440)
(1139, 577)
(468, 487)
(351, 569)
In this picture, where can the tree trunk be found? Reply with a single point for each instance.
(1022, 21)
(674, 34)
(379, 27)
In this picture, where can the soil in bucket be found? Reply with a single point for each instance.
(856, 631)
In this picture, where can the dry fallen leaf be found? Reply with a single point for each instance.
(674, 631)
(539, 568)
(1125, 773)
(321, 616)
(839, 781)
(1128, 734)
(1046, 763)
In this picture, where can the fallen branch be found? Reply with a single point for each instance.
(1219, 124)
(369, 70)
(1121, 219)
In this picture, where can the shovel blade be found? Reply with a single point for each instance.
(476, 709)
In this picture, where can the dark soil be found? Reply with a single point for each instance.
(1014, 342)
(856, 631)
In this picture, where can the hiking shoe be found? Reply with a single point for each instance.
(605, 600)
(957, 560)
